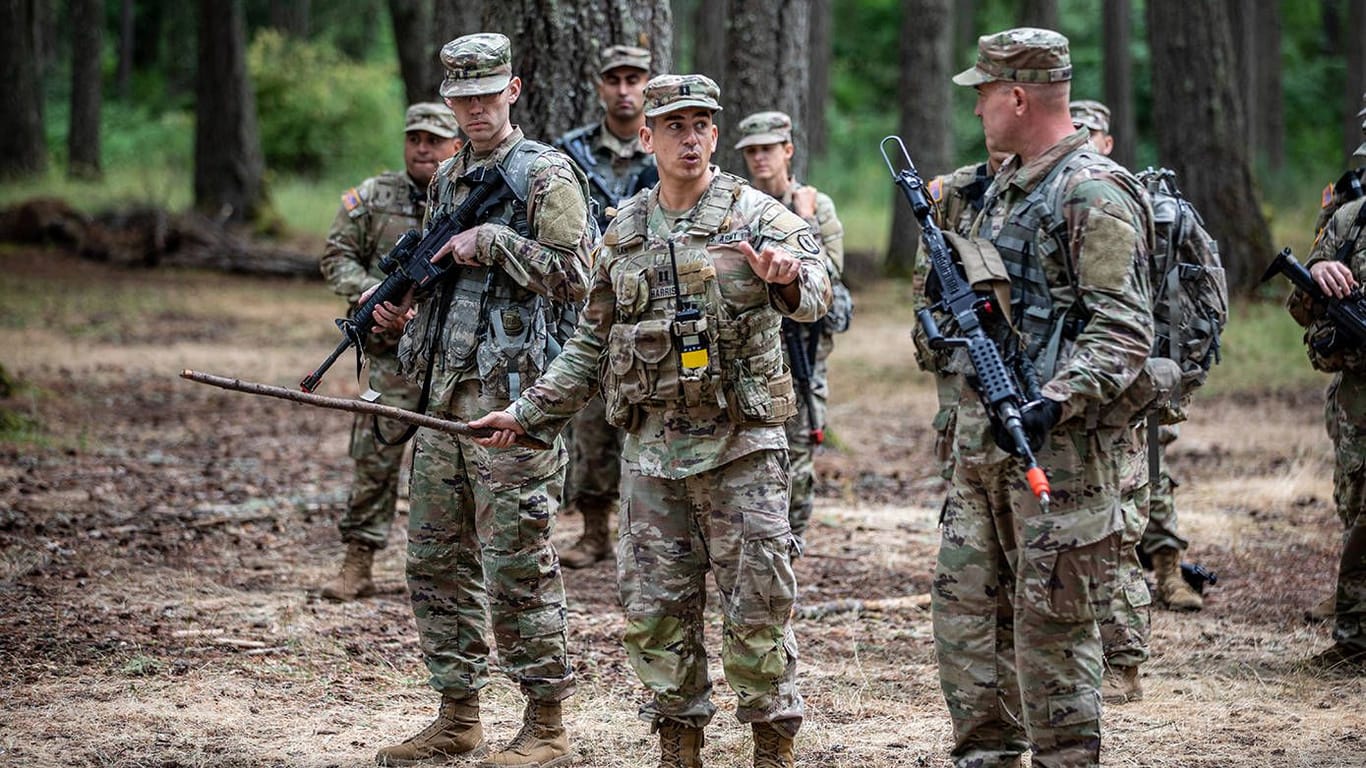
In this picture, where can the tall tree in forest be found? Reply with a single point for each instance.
(22, 148)
(819, 50)
(87, 86)
(1117, 32)
(709, 39)
(1257, 51)
(290, 17)
(925, 117)
(1038, 13)
(228, 165)
(1200, 128)
(123, 78)
(421, 27)
(965, 32)
(1356, 76)
(761, 72)
(558, 91)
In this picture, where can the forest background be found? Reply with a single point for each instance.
(1257, 110)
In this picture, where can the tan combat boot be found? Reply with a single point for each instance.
(541, 743)
(1326, 610)
(1120, 685)
(354, 579)
(455, 735)
(595, 544)
(772, 747)
(1171, 588)
(680, 746)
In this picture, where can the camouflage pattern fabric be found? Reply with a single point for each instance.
(370, 220)
(1021, 55)
(479, 531)
(957, 199)
(1018, 591)
(1124, 635)
(480, 519)
(701, 489)
(731, 520)
(1345, 419)
(801, 450)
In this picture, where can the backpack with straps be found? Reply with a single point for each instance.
(1189, 289)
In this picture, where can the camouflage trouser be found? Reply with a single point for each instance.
(1124, 634)
(731, 520)
(1162, 531)
(374, 487)
(1017, 596)
(948, 386)
(479, 531)
(593, 479)
(1349, 494)
(801, 452)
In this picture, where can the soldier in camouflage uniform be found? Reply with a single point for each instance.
(766, 140)
(687, 295)
(371, 218)
(1338, 265)
(481, 519)
(957, 199)
(609, 153)
(1020, 586)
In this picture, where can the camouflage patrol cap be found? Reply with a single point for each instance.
(476, 64)
(1023, 55)
(666, 93)
(765, 128)
(623, 56)
(1091, 115)
(434, 118)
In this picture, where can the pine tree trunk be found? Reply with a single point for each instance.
(290, 17)
(1200, 129)
(766, 69)
(124, 78)
(555, 95)
(418, 64)
(925, 118)
(1352, 36)
(23, 151)
(820, 50)
(709, 42)
(1270, 114)
(1038, 13)
(1119, 81)
(228, 165)
(83, 137)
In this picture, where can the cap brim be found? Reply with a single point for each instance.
(474, 86)
(436, 129)
(611, 65)
(761, 139)
(972, 76)
(682, 104)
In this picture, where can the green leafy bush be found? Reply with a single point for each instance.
(320, 112)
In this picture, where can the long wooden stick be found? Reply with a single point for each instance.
(354, 406)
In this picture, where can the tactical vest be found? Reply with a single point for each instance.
(509, 332)
(652, 360)
(607, 188)
(1032, 234)
(393, 205)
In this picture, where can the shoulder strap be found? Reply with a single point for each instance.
(516, 166)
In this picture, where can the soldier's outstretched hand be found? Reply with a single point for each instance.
(772, 265)
(505, 429)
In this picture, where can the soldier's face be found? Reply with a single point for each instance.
(484, 118)
(423, 152)
(1103, 141)
(682, 142)
(997, 105)
(768, 162)
(622, 92)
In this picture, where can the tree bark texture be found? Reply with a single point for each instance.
(820, 51)
(1117, 34)
(1038, 13)
(766, 69)
(23, 151)
(557, 93)
(1356, 78)
(1257, 50)
(87, 86)
(290, 17)
(124, 78)
(709, 39)
(421, 27)
(1200, 129)
(925, 116)
(228, 165)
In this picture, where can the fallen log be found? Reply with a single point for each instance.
(353, 406)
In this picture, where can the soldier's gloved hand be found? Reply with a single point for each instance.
(1039, 417)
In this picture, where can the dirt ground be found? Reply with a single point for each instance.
(161, 543)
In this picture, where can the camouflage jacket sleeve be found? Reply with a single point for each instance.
(343, 262)
(1111, 237)
(572, 378)
(830, 231)
(554, 260)
(775, 225)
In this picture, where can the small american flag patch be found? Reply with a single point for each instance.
(351, 199)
